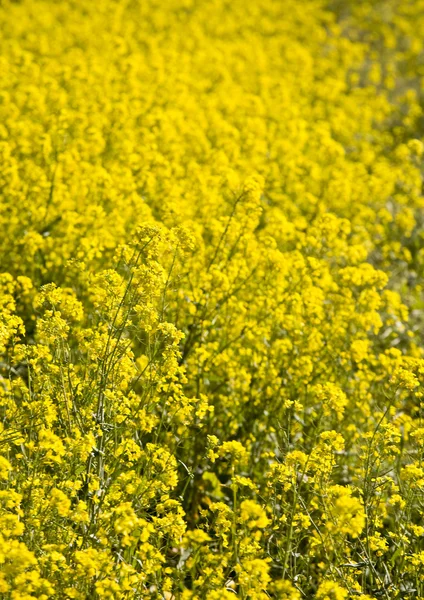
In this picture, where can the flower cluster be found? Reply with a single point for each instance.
(211, 314)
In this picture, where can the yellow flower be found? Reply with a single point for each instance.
(60, 502)
(253, 515)
(330, 590)
(346, 513)
(5, 468)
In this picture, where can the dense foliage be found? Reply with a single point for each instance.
(211, 311)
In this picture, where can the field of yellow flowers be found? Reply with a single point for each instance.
(211, 299)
